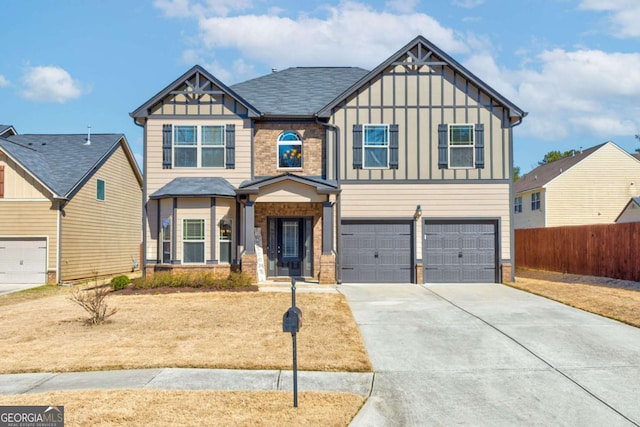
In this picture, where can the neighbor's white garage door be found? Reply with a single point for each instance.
(23, 260)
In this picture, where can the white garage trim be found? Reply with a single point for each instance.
(25, 259)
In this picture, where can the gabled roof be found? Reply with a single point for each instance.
(433, 54)
(196, 187)
(635, 201)
(298, 91)
(543, 174)
(7, 130)
(323, 186)
(63, 162)
(196, 71)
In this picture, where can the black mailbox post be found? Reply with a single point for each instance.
(292, 322)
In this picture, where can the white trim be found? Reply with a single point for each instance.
(198, 146)
(472, 146)
(364, 146)
(203, 241)
(36, 236)
(279, 142)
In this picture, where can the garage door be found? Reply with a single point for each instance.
(460, 252)
(23, 260)
(376, 252)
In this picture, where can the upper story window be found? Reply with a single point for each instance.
(535, 201)
(100, 190)
(376, 146)
(289, 150)
(198, 146)
(461, 146)
(517, 205)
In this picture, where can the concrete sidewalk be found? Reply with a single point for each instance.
(187, 379)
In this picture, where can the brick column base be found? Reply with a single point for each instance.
(506, 271)
(250, 266)
(327, 275)
(419, 272)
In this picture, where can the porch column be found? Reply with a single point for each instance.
(174, 233)
(249, 224)
(212, 234)
(327, 228)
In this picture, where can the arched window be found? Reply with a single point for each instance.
(289, 150)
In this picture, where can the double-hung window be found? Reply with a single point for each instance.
(375, 143)
(289, 150)
(198, 146)
(193, 241)
(461, 146)
(226, 239)
(166, 241)
(535, 201)
(517, 205)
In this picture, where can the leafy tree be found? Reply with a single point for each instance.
(554, 155)
(516, 173)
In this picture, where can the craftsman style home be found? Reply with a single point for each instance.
(69, 207)
(590, 187)
(336, 174)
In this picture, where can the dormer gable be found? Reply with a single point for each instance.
(196, 92)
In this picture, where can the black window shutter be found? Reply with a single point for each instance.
(231, 147)
(357, 146)
(479, 142)
(166, 146)
(393, 146)
(443, 146)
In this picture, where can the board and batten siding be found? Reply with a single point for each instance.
(103, 237)
(31, 218)
(595, 190)
(529, 218)
(437, 201)
(156, 177)
(418, 102)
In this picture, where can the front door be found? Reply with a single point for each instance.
(289, 247)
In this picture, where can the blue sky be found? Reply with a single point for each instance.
(573, 65)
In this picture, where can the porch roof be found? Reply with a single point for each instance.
(322, 186)
(196, 187)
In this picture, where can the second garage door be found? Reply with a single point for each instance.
(23, 260)
(376, 252)
(460, 252)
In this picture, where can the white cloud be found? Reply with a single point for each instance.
(624, 15)
(49, 84)
(570, 93)
(403, 6)
(3, 81)
(188, 8)
(467, 4)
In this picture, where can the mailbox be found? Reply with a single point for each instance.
(292, 320)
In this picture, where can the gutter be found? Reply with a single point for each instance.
(336, 130)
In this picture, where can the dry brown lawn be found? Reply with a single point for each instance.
(196, 408)
(619, 300)
(195, 330)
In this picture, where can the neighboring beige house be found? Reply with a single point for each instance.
(336, 174)
(588, 188)
(70, 207)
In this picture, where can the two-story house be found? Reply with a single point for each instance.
(340, 174)
(69, 207)
(591, 187)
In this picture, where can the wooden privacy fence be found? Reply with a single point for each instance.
(605, 250)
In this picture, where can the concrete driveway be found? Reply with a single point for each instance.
(490, 355)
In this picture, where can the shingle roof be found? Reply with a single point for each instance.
(321, 185)
(543, 174)
(59, 161)
(298, 91)
(196, 187)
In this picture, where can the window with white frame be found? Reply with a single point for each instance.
(166, 241)
(198, 146)
(461, 145)
(375, 143)
(226, 238)
(193, 241)
(289, 150)
(535, 201)
(517, 205)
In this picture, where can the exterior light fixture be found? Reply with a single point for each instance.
(418, 213)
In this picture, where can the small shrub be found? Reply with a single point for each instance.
(120, 282)
(235, 280)
(94, 301)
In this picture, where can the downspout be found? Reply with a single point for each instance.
(143, 260)
(511, 195)
(336, 153)
(62, 204)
